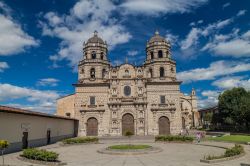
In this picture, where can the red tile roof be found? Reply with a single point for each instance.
(8, 109)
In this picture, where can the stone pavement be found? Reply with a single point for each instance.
(173, 154)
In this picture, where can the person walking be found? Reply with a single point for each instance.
(198, 137)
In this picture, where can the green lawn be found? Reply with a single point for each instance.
(129, 147)
(232, 138)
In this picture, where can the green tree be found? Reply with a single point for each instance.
(3, 145)
(234, 107)
(245, 108)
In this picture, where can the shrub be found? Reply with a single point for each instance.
(177, 138)
(40, 154)
(80, 140)
(4, 144)
(129, 147)
(212, 157)
(234, 151)
(128, 134)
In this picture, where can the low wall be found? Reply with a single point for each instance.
(13, 126)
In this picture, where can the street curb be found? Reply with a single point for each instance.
(222, 159)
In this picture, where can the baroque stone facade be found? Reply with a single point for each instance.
(146, 100)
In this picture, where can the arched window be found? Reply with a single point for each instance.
(151, 72)
(93, 55)
(92, 73)
(102, 56)
(160, 54)
(103, 73)
(167, 53)
(161, 72)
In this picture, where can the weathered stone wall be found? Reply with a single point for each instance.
(65, 106)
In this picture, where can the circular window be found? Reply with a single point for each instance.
(127, 90)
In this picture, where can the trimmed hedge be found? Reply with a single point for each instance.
(234, 151)
(174, 138)
(80, 140)
(129, 147)
(40, 154)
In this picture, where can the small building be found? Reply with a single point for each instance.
(204, 111)
(23, 128)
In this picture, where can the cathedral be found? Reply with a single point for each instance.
(145, 100)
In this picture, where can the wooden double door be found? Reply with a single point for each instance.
(164, 126)
(128, 124)
(92, 127)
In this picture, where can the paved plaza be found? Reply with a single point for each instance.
(173, 154)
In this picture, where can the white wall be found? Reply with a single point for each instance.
(13, 125)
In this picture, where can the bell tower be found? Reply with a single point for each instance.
(159, 64)
(95, 65)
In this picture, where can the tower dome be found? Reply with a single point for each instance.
(157, 38)
(158, 47)
(95, 39)
(95, 48)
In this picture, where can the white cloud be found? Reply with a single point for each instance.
(12, 38)
(192, 24)
(216, 69)
(231, 82)
(132, 53)
(3, 66)
(241, 12)
(220, 44)
(209, 98)
(173, 39)
(232, 44)
(47, 82)
(235, 48)
(192, 38)
(226, 5)
(200, 22)
(4, 8)
(84, 18)
(246, 35)
(37, 98)
(149, 7)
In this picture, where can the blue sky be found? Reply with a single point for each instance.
(41, 44)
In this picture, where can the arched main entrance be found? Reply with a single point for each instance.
(164, 126)
(127, 123)
(92, 127)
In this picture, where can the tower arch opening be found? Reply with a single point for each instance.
(93, 55)
(160, 54)
(92, 72)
